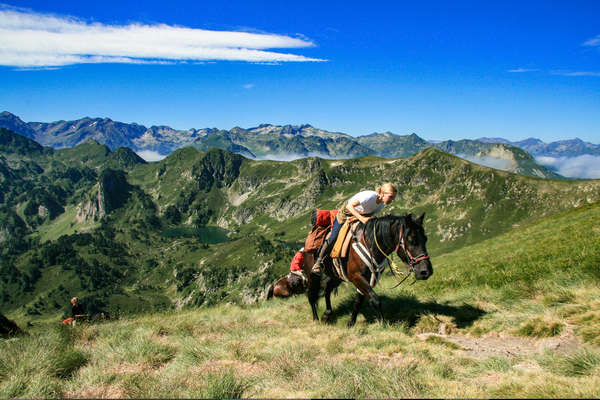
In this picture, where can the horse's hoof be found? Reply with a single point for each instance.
(350, 324)
(326, 316)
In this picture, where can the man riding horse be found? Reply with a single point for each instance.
(360, 206)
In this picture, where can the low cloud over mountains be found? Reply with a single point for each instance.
(585, 166)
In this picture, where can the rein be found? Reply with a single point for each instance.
(412, 260)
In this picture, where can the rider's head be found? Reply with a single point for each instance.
(74, 300)
(387, 192)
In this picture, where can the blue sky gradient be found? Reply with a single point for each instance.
(443, 70)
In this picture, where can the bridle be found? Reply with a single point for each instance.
(412, 261)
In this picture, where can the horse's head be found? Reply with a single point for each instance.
(411, 246)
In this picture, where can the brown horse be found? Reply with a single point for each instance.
(380, 236)
(286, 287)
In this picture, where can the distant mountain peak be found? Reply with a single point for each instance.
(16, 124)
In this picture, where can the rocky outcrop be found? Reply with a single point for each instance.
(92, 209)
(110, 193)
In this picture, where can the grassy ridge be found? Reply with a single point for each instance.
(514, 316)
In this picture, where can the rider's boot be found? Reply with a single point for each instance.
(318, 266)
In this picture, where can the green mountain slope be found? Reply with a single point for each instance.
(513, 316)
(205, 227)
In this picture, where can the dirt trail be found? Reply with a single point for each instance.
(508, 346)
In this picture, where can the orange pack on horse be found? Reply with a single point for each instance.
(297, 280)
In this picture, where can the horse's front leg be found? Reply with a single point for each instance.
(376, 303)
(363, 286)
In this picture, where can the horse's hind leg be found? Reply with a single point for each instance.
(357, 304)
(328, 310)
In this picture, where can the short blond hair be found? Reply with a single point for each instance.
(387, 187)
(74, 300)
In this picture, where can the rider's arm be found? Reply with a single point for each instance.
(351, 208)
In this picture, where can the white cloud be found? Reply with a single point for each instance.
(584, 167)
(523, 70)
(150, 155)
(576, 73)
(593, 42)
(294, 156)
(249, 86)
(29, 39)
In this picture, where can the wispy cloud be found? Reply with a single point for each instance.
(492, 162)
(592, 42)
(248, 85)
(294, 156)
(584, 167)
(523, 70)
(575, 73)
(29, 39)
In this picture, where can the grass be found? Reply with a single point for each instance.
(496, 308)
(63, 225)
(538, 327)
(584, 362)
(36, 366)
(275, 351)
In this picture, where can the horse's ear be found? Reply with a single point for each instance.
(420, 219)
(409, 216)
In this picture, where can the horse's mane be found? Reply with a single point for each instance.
(382, 228)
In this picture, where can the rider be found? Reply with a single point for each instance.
(77, 310)
(362, 206)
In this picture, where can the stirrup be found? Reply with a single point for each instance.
(316, 268)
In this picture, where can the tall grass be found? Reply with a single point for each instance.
(35, 366)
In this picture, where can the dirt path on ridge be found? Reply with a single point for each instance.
(508, 346)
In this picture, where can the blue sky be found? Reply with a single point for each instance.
(443, 70)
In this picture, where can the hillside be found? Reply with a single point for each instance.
(513, 316)
(200, 228)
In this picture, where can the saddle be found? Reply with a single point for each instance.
(340, 248)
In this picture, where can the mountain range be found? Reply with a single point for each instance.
(273, 142)
(562, 148)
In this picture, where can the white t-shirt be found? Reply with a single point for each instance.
(368, 202)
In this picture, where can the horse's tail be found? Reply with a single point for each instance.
(270, 292)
